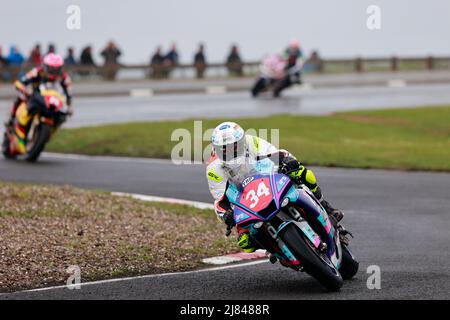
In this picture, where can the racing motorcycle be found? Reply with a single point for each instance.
(289, 222)
(274, 77)
(41, 126)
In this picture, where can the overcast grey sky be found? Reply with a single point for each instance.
(335, 28)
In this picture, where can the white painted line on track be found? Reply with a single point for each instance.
(216, 90)
(239, 265)
(396, 83)
(141, 93)
(195, 204)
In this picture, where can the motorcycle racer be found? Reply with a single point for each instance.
(294, 65)
(52, 72)
(232, 155)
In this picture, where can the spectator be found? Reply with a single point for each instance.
(86, 57)
(15, 60)
(35, 56)
(51, 48)
(172, 56)
(156, 64)
(69, 60)
(111, 55)
(314, 63)
(170, 60)
(200, 61)
(234, 63)
(86, 60)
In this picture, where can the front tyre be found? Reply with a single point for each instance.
(6, 147)
(38, 142)
(259, 86)
(312, 263)
(349, 265)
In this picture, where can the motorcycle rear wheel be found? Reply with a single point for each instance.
(328, 276)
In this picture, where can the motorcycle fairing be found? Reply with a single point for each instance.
(306, 201)
(243, 214)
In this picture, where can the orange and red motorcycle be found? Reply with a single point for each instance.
(28, 143)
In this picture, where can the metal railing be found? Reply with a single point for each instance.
(358, 64)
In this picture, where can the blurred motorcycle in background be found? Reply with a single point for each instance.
(276, 75)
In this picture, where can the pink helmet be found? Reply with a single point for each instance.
(294, 44)
(53, 64)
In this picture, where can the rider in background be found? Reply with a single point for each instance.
(51, 71)
(294, 62)
(233, 151)
(293, 54)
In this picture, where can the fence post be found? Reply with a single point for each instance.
(429, 63)
(200, 70)
(394, 63)
(358, 65)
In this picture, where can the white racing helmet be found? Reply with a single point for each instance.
(229, 144)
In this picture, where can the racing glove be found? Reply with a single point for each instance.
(291, 167)
(228, 218)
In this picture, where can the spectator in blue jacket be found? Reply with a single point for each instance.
(172, 56)
(170, 60)
(15, 58)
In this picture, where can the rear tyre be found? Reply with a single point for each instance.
(312, 263)
(280, 85)
(41, 138)
(349, 265)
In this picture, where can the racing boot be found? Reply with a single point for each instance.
(246, 243)
(335, 215)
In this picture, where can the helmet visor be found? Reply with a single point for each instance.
(53, 71)
(231, 151)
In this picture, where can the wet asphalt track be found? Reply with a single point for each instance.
(400, 221)
(113, 109)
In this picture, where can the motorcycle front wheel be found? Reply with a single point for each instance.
(40, 137)
(259, 86)
(349, 266)
(5, 147)
(311, 261)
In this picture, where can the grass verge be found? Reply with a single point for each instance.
(411, 139)
(44, 229)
